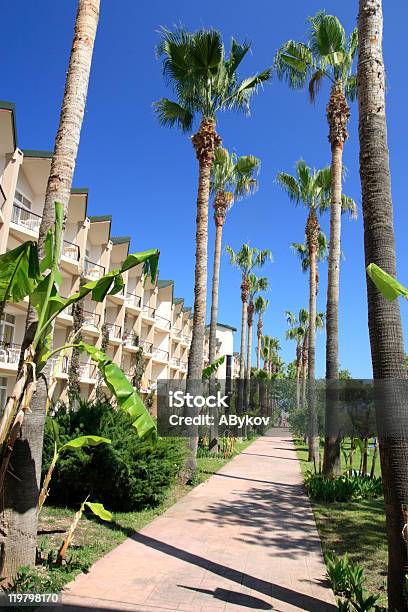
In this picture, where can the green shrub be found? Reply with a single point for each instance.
(342, 489)
(126, 475)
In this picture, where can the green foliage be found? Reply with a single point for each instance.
(99, 510)
(347, 580)
(342, 489)
(387, 284)
(128, 474)
(212, 367)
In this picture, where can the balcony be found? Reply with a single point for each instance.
(175, 362)
(177, 332)
(131, 340)
(183, 365)
(60, 366)
(185, 339)
(87, 370)
(93, 270)
(91, 318)
(160, 354)
(70, 250)
(162, 322)
(25, 218)
(133, 300)
(114, 331)
(147, 347)
(9, 353)
(148, 311)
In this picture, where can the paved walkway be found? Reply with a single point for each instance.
(244, 540)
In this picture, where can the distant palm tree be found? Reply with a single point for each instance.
(296, 332)
(328, 55)
(261, 304)
(205, 82)
(384, 319)
(269, 349)
(246, 260)
(255, 286)
(232, 178)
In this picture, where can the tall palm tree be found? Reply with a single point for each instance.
(204, 82)
(261, 304)
(312, 189)
(19, 527)
(269, 350)
(384, 321)
(232, 178)
(246, 260)
(328, 55)
(255, 286)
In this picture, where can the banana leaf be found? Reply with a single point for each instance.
(127, 397)
(387, 284)
(213, 367)
(99, 510)
(19, 272)
(82, 441)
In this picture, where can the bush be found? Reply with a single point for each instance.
(125, 475)
(342, 489)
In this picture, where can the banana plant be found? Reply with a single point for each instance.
(212, 367)
(75, 444)
(23, 274)
(97, 509)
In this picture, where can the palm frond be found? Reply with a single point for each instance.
(239, 98)
(261, 304)
(171, 114)
(293, 62)
(350, 87)
(327, 35)
(348, 205)
(237, 54)
(290, 185)
(315, 84)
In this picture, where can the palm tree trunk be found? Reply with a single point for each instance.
(337, 114)
(249, 346)
(219, 218)
(205, 141)
(18, 524)
(312, 233)
(384, 320)
(258, 348)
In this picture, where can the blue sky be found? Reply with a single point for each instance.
(145, 175)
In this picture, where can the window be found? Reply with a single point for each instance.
(22, 201)
(7, 326)
(3, 393)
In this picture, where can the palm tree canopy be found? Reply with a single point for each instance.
(234, 175)
(248, 258)
(203, 79)
(261, 304)
(308, 187)
(327, 54)
(257, 284)
(302, 251)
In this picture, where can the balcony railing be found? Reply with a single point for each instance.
(183, 365)
(25, 218)
(70, 250)
(114, 331)
(131, 340)
(177, 332)
(87, 370)
(185, 338)
(148, 311)
(93, 270)
(60, 366)
(175, 361)
(147, 347)
(163, 322)
(159, 353)
(91, 318)
(132, 299)
(9, 352)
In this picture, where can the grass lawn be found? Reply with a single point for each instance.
(356, 528)
(94, 538)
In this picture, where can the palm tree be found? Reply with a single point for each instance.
(312, 189)
(232, 178)
(255, 286)
(19, 528)
(204, 82)
(296, 332)
(269, 349)
(386, 338)
(246, 259)
(302, 251)
(328, 55)
(261, 304)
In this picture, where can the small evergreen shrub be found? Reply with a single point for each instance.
(342, 489)
(125, 475)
